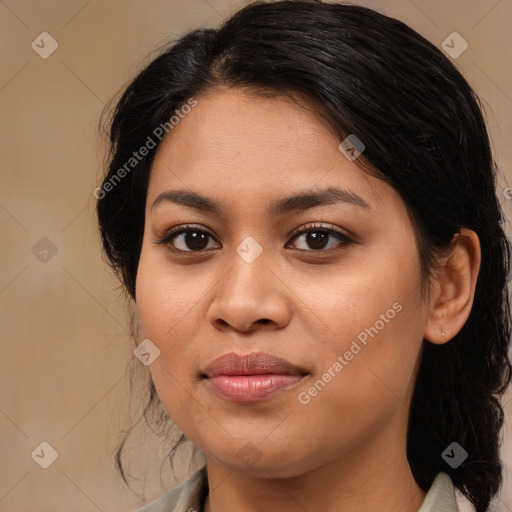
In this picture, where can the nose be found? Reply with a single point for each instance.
(251, 296)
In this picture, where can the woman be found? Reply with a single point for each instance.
(302, 206)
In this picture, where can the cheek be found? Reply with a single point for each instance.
(375, 365)
(168, 317)
(373, 320)
(165, 300)
(366, 379)
(153, 294)
(359, 300)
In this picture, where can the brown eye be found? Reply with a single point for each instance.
(317, 238)
(187, 239)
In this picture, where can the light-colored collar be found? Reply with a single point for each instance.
(441, 496)
(190, 496)
(187, 497)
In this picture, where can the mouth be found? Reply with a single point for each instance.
(251, 377)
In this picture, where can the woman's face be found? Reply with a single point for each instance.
(342, 307)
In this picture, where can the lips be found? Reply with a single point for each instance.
(256, 363)
(251, 377)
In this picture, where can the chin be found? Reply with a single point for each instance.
(261, 460)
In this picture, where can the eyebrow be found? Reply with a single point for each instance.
(296, 202)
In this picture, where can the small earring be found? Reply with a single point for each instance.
(442, 334)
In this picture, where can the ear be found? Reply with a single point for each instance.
(453, 289)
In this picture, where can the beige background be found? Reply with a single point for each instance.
(64, 336)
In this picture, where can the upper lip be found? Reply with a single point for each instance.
(256, 363)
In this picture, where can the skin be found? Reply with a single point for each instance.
(346, 448)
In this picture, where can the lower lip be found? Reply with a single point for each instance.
(252, 388)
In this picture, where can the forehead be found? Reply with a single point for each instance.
(228, 123)
(249, 147)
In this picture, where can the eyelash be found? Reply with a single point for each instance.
(310, 228)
